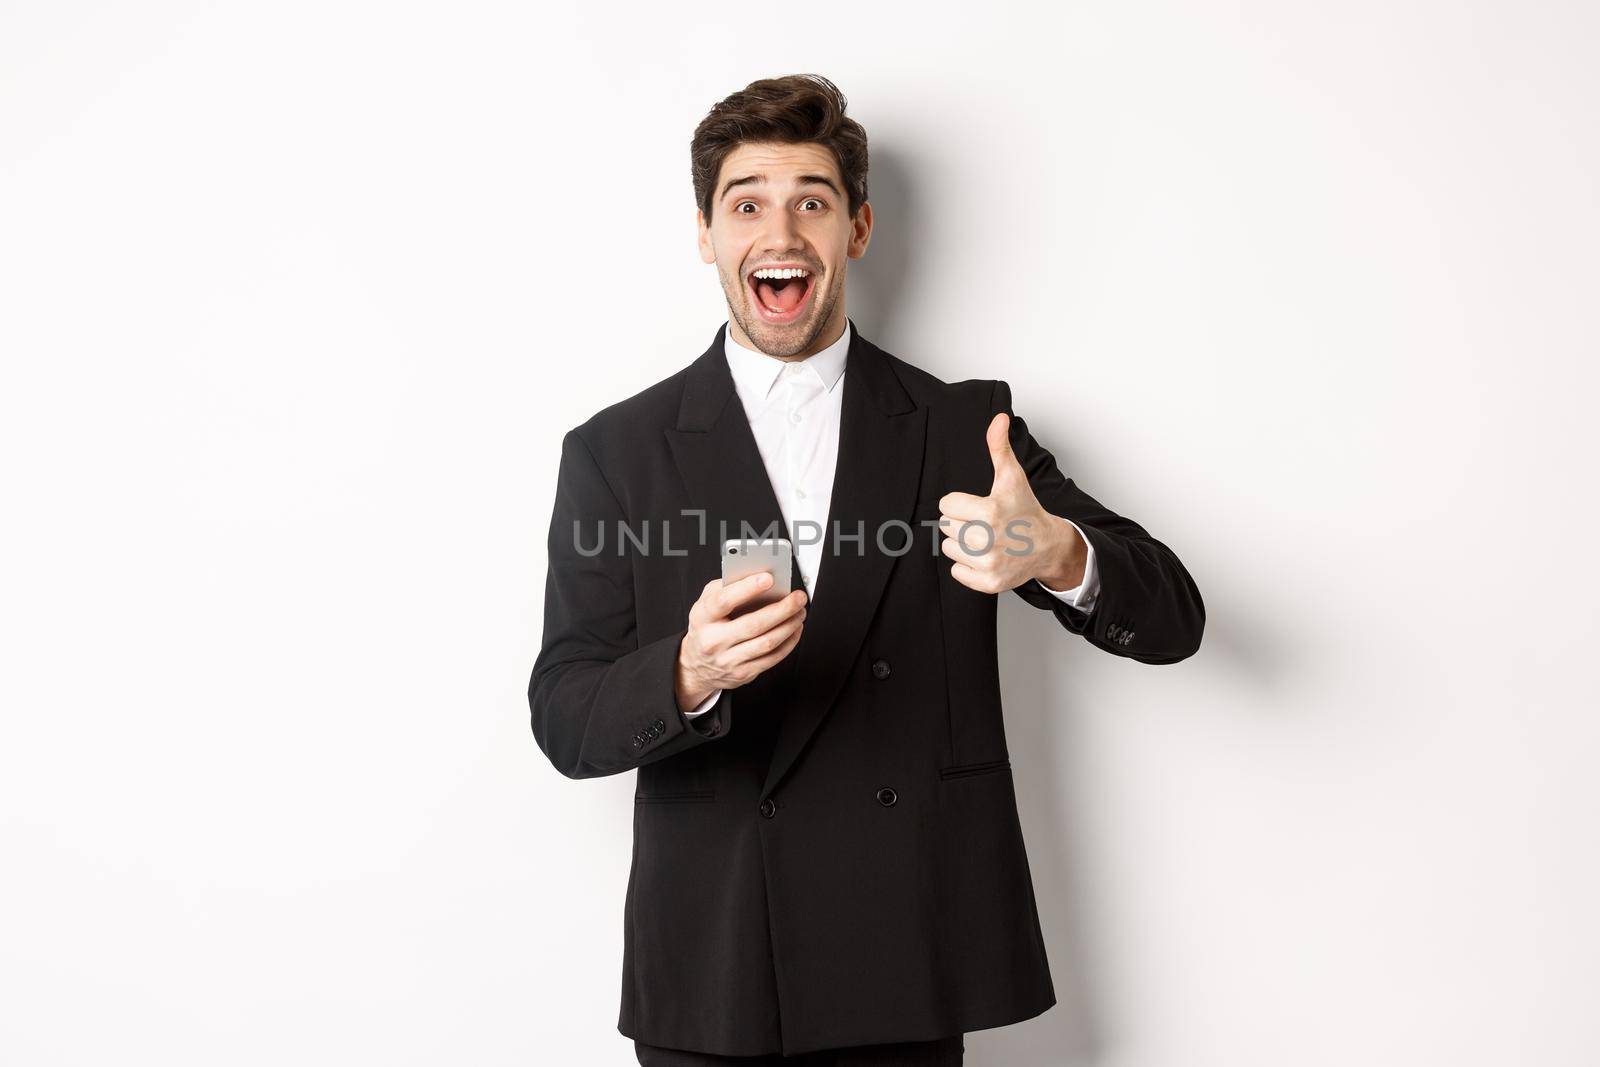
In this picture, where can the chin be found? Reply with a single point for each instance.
(782, 341)
(789, 339)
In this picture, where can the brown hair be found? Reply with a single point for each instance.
(794, 109)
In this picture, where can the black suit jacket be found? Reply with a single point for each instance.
(831, 856)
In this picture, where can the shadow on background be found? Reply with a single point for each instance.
(879, 280)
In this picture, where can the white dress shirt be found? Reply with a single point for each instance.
(793, 408)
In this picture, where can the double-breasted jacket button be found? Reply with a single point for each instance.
(887, 797)
(768, 809)
(880, 668)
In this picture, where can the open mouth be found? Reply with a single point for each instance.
(780, 294)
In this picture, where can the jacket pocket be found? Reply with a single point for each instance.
(696, 796)
(967, 770)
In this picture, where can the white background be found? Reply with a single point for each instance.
(298, 299)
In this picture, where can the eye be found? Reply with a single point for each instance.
(813, 200)
(738, 209)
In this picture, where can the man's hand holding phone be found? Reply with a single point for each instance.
(719, 652)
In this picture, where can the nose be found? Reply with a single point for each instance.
(781, 237)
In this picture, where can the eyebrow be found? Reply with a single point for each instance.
(757, 179)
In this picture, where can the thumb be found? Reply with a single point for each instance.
(999, 438)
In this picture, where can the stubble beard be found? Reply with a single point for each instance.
(778, 340)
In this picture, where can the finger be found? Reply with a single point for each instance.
(764, 643)
(764, 663)
(726, 633)
(762, 619)
(971, 578)
(998, 436)
(955, 550)
(964, 505)
(732, 594)
(706, 602)
(976, 536)
(1006, 468)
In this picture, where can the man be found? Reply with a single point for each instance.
(827, 859)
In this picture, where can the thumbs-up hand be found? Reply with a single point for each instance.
(1000, 541)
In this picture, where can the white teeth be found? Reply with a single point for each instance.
(784, 272)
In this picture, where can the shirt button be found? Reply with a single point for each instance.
(768, 809)
(887, 797)
(880, 668)
(794, 417)
(801, 493)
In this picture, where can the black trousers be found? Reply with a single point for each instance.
(945, 1052)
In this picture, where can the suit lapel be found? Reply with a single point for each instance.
(875, 481)
(722, 469)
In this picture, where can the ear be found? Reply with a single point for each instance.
(708, 252)
(860, 231)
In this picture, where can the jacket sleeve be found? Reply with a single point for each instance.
(1149, 608)
(601, 702)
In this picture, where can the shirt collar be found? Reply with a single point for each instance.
(755, 373)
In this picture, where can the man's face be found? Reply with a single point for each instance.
(783, 206)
